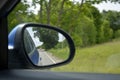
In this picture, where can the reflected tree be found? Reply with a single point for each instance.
(48, 37)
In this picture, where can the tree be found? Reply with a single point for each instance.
(106, 31)
(19, 15)
(88, 32)
(60, 12)
(117, 34)
(94, 14)
(114, 19)
(81, 20)
(48, 37)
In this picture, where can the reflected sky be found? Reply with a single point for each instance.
(36, 39)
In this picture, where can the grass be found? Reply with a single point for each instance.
(61, 53)
(102, 58)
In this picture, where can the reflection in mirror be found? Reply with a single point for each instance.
(45, 46)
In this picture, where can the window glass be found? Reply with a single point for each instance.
(94, 27)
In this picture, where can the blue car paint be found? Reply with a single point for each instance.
(11, 37)
(11, 43)
(35, 57)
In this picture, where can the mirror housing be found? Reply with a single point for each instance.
(18, 46)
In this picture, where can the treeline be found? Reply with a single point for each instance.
(82, 21)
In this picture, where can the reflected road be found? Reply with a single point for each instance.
(46, 58)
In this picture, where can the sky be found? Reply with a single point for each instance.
(102, 6)
(108, 6)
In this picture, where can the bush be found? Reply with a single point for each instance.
(117, 34)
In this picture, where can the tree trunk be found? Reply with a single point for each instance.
(41, 10)
(80, 6)
(60, 13)
(48, 10)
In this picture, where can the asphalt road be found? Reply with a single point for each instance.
(47, 58)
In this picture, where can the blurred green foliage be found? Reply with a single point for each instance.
(86, 25)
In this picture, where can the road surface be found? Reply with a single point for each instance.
(47, 58)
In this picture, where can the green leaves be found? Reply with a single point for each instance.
(48, 37)
(82, 21)
(114, 20)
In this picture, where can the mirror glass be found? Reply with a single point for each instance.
(45, 46)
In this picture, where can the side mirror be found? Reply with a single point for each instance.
(45, 46)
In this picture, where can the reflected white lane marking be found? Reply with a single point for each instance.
(50, 58)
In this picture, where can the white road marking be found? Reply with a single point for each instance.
(50, 58)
